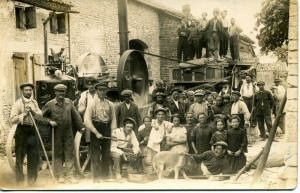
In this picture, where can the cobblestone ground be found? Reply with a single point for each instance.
(44, 182)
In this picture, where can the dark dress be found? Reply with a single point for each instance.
(216, 137)
(236, 140)
(189, 129)
(201, 136)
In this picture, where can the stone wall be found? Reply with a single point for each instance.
(288, 175)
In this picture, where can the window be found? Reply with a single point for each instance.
(25, 17)
(58, 23)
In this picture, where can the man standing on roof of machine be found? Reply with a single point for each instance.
(214, 28)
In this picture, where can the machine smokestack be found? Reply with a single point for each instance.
(123, 26)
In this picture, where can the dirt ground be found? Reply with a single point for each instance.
(268, 180)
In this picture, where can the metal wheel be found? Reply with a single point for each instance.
(133, 74)
(10, 145)
(82, 158)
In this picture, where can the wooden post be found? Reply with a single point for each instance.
(260, 168)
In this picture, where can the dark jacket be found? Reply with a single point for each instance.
(265, 97)
(210, 26)
(181, 111)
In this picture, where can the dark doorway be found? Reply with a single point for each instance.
(137, 44)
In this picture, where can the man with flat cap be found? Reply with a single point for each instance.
(100, 119)
(214, 162)
(280, 88)
(26, 139)
(127, 108)
(200, 106)
(82, 100)
(176, 106)
(62, 111)
(214, 30)
(125, 150)
(263, 102)
(159, 102)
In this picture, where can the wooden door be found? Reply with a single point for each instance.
(20, 71)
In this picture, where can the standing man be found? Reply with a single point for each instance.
(26, 138)
(240, 109)
(200, 106)
(280, 88)
(128, 109)
(176, 106)
(234, 32)
(62, 111)
(242, 81)
(100, 119)
(193, 40)
(263, 102)
(247, 91)
(182, 44)
(84, 99)
(159, 102)
(224, 35)
(203, 42)
(191, 98)
(214, 28)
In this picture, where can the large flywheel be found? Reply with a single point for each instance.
(133, 74)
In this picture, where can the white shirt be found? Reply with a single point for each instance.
(224, 22)
(240, 107)
(247, 89)
(127, 105)
(85, 96)
(281, 90)
(176, 103)
(122, 144)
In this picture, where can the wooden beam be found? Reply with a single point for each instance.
(50, 5)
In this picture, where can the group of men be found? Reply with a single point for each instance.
(214, 35)
(115, 128)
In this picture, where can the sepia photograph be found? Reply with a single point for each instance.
(153, 95)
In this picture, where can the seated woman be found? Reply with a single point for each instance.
(176, 138)
(148, 141)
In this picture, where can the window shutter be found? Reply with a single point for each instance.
(30, 17)
(53, 24)
(61, 23)
(20, 18)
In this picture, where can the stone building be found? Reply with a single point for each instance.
(79, 26)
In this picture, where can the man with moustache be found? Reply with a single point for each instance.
(127, 108)
(26, 138)
(193, 40)
(159, 102)
(62, 111)
(175, 106)
(100, 119)
(214, 29)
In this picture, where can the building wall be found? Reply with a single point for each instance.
(168, 43)
(96, 29)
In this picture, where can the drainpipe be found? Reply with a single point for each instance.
(45, 37)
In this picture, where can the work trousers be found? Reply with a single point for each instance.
(182, 48)
(64, 152)
(203, 43)
(100, 148)
(214, 44)
(234, 47)
(224, 42)
(249, 102)
(261, 120)
(194, 48)
(26, 143)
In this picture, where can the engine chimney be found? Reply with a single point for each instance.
(123, 26)
(186, 10)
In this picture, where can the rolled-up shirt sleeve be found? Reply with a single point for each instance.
(88, 119)
(135, 143)
(16, 115)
